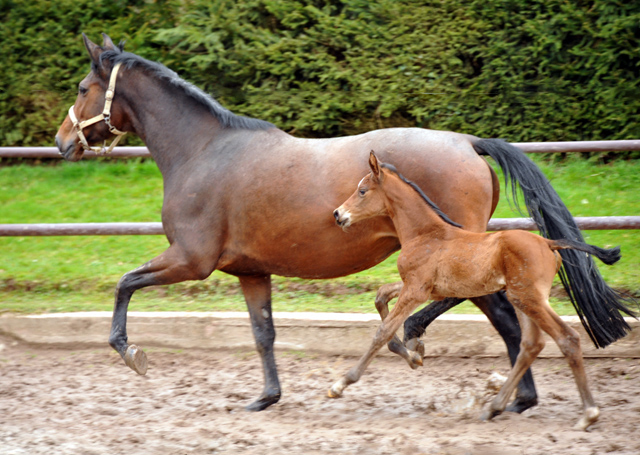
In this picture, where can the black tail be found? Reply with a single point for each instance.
(597, 305)
(607, 255)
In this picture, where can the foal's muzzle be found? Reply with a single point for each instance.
(343, 218)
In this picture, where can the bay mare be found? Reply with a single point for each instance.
(246, 198)
(439, 259)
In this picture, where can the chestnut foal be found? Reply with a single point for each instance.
(438, 259)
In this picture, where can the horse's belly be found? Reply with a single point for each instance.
(320, 253)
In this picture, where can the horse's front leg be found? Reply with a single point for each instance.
(170, 267)
(406, 304)
(257, 294)
(385, 294)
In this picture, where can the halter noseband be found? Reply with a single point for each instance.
(106, 116)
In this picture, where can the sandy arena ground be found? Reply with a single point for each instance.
(86, 401)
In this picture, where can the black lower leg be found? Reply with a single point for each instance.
(415, 326)
(257, 292)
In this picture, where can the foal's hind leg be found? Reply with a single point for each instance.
(530, 346)
(568, 340)
(502, 316)
(385, 294)
(170, 267)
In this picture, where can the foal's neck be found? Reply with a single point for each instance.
(411, 214)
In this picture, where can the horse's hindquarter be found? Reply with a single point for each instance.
(277, 195)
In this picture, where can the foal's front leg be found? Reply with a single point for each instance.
(386, 293)
(406, 304)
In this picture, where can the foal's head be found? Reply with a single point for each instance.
(367, 201)
(92, 119)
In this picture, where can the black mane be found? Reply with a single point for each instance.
(227, 118)
(418, 190)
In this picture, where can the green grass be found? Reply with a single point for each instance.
(56, 274)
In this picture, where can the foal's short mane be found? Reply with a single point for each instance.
(227, 118)
(418, 190)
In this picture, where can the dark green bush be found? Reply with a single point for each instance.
(526, 71)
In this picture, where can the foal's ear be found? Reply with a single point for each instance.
(374, 164)
(94, 50)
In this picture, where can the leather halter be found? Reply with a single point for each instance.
(105, 115)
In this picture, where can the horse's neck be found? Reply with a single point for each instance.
(411, 215)
(172, 125)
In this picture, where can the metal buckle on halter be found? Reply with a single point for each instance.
(104, 116)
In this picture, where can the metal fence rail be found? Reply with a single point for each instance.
(528, 147)
(66, 229)
(498, 224)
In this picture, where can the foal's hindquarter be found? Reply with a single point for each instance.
(439, 260)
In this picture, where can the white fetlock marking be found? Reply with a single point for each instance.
(336, 389)
(591, 416)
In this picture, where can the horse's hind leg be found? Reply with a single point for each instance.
(417, 324)
(385, 294)
(504, 319)
(257, 294)
(170, 267)
(530, 346)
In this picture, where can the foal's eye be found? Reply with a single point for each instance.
(362, 191)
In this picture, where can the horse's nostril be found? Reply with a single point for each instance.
(336, 214)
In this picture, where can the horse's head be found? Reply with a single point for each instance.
(94, 116)
(367, 201)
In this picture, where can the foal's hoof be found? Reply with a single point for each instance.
(336, 389)
(136, 359)
(414, 360)
(489, 414)
(590, 417)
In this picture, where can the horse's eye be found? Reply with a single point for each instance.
(362, 191)
(83, 90)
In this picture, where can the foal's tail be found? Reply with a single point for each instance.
(607, 255)
(597, 305)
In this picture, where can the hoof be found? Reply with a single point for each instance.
(136, 359)
(414, 344)
(333, 394)
(336, 389)
(520, 404)
(262, 403)
(489, 414)
(590, 417)
(414, 360)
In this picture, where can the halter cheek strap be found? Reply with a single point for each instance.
(105, 115)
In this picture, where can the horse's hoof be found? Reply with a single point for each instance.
(262, 403)
(590, 417)
(520, 404)
(414, 344)
(136, 359)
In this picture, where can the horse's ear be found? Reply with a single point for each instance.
(107, 44)
(94, 50)
(374, 165)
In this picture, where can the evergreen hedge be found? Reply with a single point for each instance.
(540, 70)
